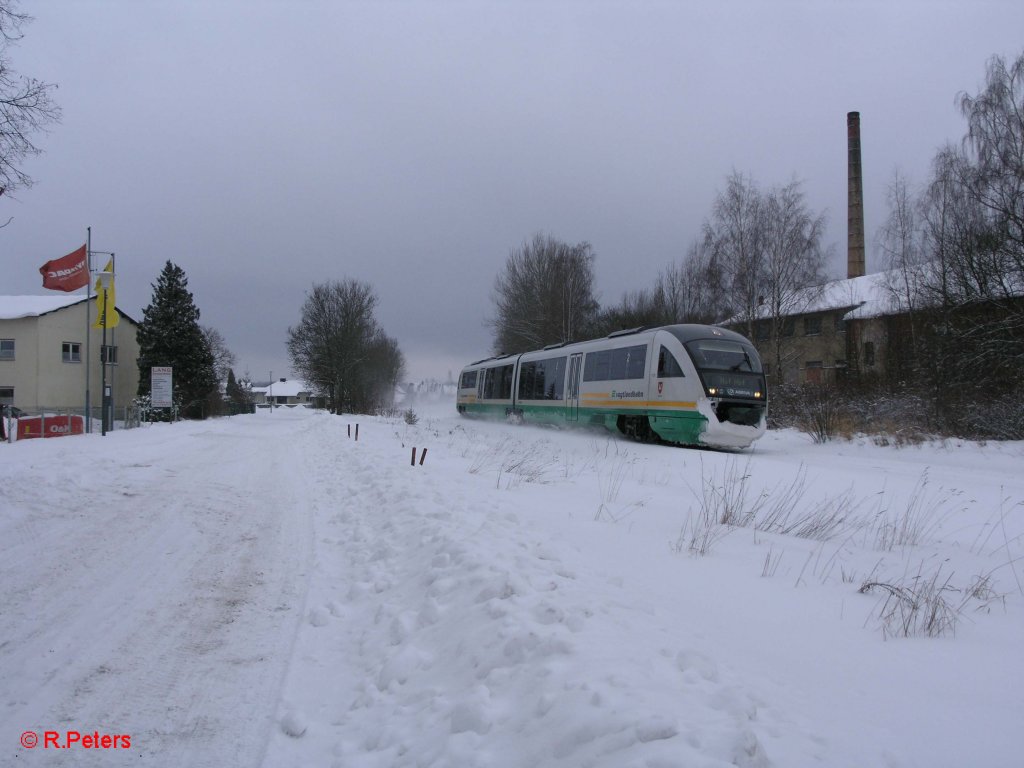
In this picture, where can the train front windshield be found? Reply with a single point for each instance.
(728, 368)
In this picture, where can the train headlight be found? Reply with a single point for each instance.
(712, 391)
(757, 395)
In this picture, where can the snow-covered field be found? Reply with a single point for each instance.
(267, 591)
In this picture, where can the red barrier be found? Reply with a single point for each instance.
(55, 426)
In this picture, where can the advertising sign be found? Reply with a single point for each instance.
(161, 386)
(49, 426)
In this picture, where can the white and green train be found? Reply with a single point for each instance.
(684, 384)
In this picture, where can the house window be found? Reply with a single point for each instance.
(108, 354)
(788, 326)
(6, 395)
(869, 353)
(6, 349)
(763, 330)
(812, 325)
(812, 371)
(71, 352)
(840, 325)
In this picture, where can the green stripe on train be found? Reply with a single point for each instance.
(670, 425)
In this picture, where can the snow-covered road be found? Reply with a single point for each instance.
(155, 591)
(266, 591)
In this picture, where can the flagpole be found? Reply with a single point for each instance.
(113, 342)
(88, 334)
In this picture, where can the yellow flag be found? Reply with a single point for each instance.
(105, 301)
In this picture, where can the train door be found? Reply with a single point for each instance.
(667, 380)
(572, 395)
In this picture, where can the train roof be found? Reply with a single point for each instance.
(687, 333)
(683, 332)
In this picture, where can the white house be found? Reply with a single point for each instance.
(284, 392)
(43, 347)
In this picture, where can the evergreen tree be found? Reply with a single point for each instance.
(237, 396)
(170, 335)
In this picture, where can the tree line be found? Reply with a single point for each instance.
(338, 348)
(955, 252)
(758, 252)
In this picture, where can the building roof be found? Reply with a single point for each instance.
(286, 388)
(17, 307)
(875, 295)
(862, 297)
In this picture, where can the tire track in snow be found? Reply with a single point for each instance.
(175, 625)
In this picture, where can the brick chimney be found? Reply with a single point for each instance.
(855, 200)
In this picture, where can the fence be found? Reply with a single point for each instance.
(53, 422)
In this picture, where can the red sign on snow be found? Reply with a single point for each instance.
(49, 426)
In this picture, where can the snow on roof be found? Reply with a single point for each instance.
(15, 307)
(875, 295)
(287, 388)
(866, 296)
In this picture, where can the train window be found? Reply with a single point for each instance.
(498, 385)
(636, 361)
(723, 355)
(668, 366)
(616, 364)
(555, 388)
(527, 377)
(542, 380)
(468, 380)
(597, 365)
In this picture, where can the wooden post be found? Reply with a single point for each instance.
(423, 456)
(357, 433)
(349, 430)
(413, 462)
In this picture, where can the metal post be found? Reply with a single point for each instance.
(88, 329)
(103, 364)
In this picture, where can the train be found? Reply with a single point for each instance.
(691, 385)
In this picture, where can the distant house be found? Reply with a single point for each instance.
(832, 330)
(285, 392)
(43, 346)
(859, 327)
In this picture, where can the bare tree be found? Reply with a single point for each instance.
(995, 145)
(735, 240)
(697, 288)
(686, 292)
(763, 255)
(223, 358)
(545, 295)
(969, 240)
(339, 349)
(26, 106)
(794, 259)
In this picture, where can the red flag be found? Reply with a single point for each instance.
(68, 273)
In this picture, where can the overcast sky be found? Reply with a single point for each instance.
(268, 146)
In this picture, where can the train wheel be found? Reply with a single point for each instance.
(636, 427)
